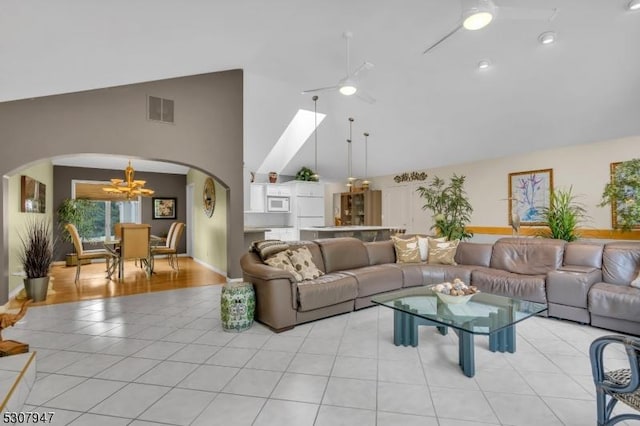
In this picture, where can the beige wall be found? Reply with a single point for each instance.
(585, 167)
(42, 172)
(210, 242)
(207, 135)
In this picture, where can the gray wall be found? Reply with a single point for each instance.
(207, 135)
(164, 185)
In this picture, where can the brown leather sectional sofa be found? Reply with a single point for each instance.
(584, 282)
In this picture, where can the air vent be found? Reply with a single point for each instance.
(159, 109)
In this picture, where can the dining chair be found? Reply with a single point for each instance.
(616, 385)
(134, 244)
(83, 254)
(171, 249)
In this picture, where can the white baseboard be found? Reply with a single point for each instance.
(211, 267)
(15, 291)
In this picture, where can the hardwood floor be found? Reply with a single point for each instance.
(93, 283)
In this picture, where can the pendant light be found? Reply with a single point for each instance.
(315, 175)
(350, 178)
(365, 182)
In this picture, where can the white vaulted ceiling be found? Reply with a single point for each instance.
(431, 110)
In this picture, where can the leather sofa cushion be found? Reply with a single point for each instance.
(376, 279)
(425, 274)
(615, 301)
(316, 255)
(327, 290)
(341, 254)
(583, 254)
(620, 262)
(380, 252)
(527, 287)
(529, 256)
(474, 254)
(570, 288)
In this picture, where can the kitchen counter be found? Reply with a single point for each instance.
(254, 233)
(365, 233)
(252, 229)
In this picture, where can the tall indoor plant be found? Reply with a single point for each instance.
(36, 257)
(449, 206)
(77, 212)
(563, 215)
(622, 194)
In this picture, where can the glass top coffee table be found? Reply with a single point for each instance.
(484, 314)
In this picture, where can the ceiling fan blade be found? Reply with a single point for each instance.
(365, 97)
(520, 13)
(449, 34)
(321, 89)
(364, 67)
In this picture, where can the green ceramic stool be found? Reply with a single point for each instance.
(237, 306)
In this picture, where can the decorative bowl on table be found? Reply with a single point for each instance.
(456, 292)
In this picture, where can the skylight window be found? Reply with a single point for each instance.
(294, 136)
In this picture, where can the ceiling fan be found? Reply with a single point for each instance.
(349, 84)
(477, 14)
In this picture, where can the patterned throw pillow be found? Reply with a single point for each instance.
(303, 263)
(268, 248)
(407, 250)
(282, 261)
(636, 282)
(442, 252)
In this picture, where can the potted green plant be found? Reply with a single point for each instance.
(306, 174)
(449, 206)
(563, 216)
(77, 212)
(36, 257)
(622, 194)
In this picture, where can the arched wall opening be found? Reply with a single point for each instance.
(206, 135)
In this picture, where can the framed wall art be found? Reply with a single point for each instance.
(627, 192)
(164, 208)
(33, 195)
(529, 193)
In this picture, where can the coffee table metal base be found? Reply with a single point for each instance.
(405, 333)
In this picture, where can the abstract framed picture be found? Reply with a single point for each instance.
(529, 194)
(33, 195)
(164, 208)
(628, 192)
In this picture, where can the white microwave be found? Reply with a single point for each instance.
(277, 204)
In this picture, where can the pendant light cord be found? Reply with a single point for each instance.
(350, 148)
(366, 155)
(315, 133)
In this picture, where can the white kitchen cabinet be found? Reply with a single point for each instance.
(257, 198)
(309, 189)
(278, 190)
(310, 206)
(284, 234)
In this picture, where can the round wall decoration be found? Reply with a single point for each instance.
(209, 197)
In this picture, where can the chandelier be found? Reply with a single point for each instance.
(129, 187)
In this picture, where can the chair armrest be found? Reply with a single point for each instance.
(632, 347)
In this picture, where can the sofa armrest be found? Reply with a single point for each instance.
(252, 265)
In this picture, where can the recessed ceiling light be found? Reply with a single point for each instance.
(478, 15)
(634, 5)
(547, 38)
(484, 64)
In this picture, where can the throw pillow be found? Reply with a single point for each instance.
(407, 250)
(423, 244)
(636, 282)
(268, 248)
(303, 263)
(442, 252)
(282, 261)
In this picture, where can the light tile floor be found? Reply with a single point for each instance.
(163, 359)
